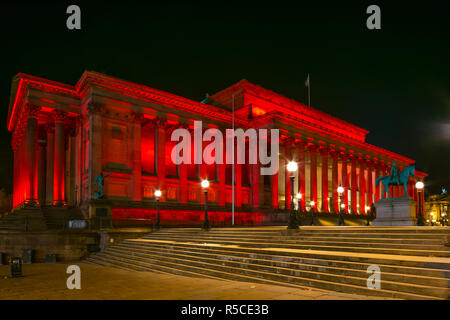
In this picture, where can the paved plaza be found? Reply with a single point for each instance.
(47, 281)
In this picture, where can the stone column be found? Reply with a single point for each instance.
(345, 182)
(32, 139)
(183, 169)
(354, 186)
(49, 163)
(410, 188)
(58, 162)
(362, 186)
(302, 173)
(255, 177)
(287, 180)
(313, 169)
(370, 184)
(136, 187)
(324, 153)
(377, 188)
(238, 181)
(334, 183)
(274, 181)
(160, 137)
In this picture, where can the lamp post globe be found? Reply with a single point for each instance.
(157, 194)
(292, 166)
(419, 186)
(205, 186)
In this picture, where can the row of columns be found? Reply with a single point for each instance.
(357, 182)
(26, 159)
(162, 131)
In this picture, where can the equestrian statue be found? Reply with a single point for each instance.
(396, 179)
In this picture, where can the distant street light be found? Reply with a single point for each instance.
(292, 223)
(419, 187)
(312, 204)
(340, 191)
(205, 186)
(158, 194)
(299, 198)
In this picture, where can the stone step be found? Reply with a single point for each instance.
(323, 229)
(271, 265)
(236, 273)
(275, 272)
(301, 233)
(414, 265)
(149, 265)
(388, 265)
(314, 246)
(438, 263)
(304, 239)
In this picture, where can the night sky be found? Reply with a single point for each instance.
(394, 82)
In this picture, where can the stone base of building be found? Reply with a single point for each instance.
(395, 212)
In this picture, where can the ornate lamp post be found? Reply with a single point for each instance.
(158, 194)
(340, 191)
(293, 223)
(312, 204)
(419, 187)
(299, 198)
(205, 186)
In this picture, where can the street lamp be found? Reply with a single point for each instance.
(158, 194)
(205, 186)
(340, 191)
(312, 204)
(299, 198)
(292, 223)
(419, 187)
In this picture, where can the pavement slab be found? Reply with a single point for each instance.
(47, 281)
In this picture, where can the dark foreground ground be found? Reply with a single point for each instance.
(48, 282)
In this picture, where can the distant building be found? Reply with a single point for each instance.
(437, 209)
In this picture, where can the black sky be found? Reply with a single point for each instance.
(394, 82)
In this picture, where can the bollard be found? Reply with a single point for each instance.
(15, 267)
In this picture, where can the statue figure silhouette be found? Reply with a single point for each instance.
(100, 180)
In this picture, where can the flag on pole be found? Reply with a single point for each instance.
(307, 81)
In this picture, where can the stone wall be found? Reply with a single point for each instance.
(68, 246)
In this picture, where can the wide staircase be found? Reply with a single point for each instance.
(414, 262)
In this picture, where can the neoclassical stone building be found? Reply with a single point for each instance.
(63, 136)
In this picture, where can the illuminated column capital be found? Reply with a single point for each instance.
(59, 115)
(32, 110)
(137, 116)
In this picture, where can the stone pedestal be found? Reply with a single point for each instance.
(395, 212)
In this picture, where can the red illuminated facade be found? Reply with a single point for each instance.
(64, 135)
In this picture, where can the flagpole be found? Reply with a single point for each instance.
(232, 163)
(309, 92)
